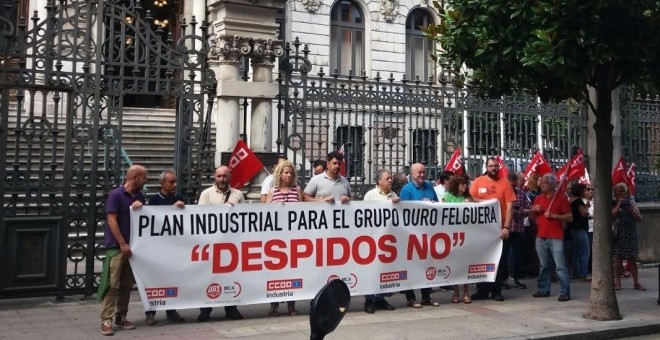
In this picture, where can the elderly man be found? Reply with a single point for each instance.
(117, 278)
(419, 190)
(221, 193)
(484, 188)
(329, 186)
(550, 210)
(382, 192)
(166, 196)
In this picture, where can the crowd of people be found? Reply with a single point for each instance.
(559, 218)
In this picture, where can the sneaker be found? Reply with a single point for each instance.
(123, 323)
(563, 298)
(150, 320)
(106, 328)
(175, 317)
(540, 294)
(519, 284)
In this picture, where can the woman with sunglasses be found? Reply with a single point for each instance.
(285, 189)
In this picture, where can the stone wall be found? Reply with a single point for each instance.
(649, 233)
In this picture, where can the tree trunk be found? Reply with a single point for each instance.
(603, 304)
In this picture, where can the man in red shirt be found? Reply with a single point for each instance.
(551, 210)
(484, 188)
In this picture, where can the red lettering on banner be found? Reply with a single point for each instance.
(422, 249)
(218, 249)
(345, 247)
(277, 254)
(387, 248)
(297, 254)
(434, 246)
(269, 251)
(371, 247)
(246, 256)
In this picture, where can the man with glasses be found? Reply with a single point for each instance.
(484, 188)
(550, 210)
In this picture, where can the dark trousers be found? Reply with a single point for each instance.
(167, 312)
(517, 241)
(410, 294)
(485, 288)
(207, 310)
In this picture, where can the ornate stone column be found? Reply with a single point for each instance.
(264, 53)
(228, 50)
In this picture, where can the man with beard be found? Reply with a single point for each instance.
(221, 193)
(329, 186)
(484, 188)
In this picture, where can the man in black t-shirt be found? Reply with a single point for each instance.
(166, 196)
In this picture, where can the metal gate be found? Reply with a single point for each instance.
(385, 123)
(64, 80)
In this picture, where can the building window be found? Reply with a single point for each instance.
(418, 47)
(346, 38)
(351, 137)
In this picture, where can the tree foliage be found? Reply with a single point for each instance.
(555, 47)
(559, 49)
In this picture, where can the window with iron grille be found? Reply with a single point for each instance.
(419, 48)
(424, 146)
(346, 38)
(351, 137)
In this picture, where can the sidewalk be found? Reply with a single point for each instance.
(519, 317)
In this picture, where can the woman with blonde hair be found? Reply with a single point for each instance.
(285, 189)
(625, 216)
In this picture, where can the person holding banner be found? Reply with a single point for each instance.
(382, 192)
(221, 193)
(166, 196)
(419, 190)
(486, 187)
(329, 186)
(285, 189)
(550, 210)
(117, 277)
(457, 192)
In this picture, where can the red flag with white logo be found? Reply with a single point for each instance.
(504, 171)
(619, 173)
(538, 165)
(631, 178)
(342, 165)
(575, 167)
(455, 163)
(243, 165)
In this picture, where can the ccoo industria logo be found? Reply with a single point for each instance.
(162, 293)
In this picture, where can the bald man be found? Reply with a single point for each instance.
(117, 278)
(221, 193)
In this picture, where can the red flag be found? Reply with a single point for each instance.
(631, 178)
(243, 165)
(538, 165)
(342, 165)
(585, 179)
(576, 166)
(504, 171)
(455, 163)
(619, 173)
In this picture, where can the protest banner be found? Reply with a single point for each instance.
(217, 255)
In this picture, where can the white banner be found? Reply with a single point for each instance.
(217, 255)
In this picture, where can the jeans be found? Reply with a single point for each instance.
(547, 248)
(580, 252)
